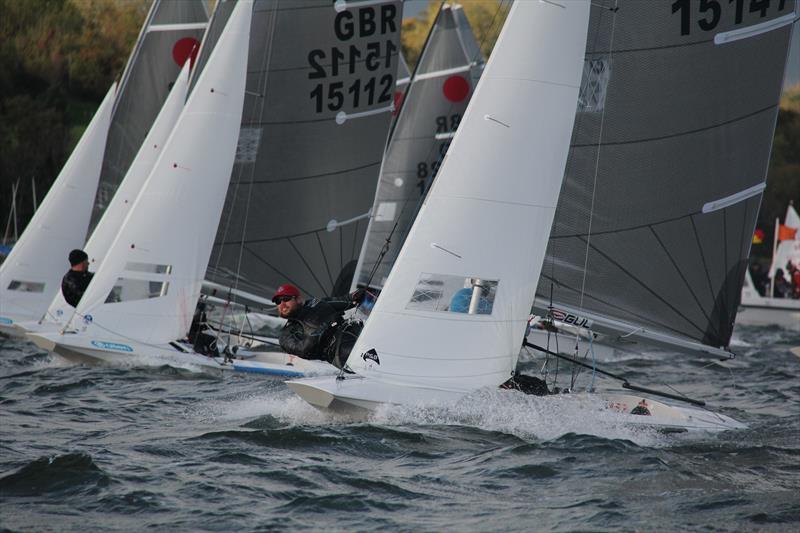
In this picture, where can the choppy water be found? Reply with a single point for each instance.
(131, 449)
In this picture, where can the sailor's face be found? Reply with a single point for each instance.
(287, 307)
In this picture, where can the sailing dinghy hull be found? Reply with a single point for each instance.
(354, 395)
(80, 349)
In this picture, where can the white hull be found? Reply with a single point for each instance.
(359, 395)
(770, 312)
(81, 349)
(605, 348)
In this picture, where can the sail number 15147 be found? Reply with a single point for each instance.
(709, 12)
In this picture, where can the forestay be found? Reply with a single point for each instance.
(162, 249)
(448, 69)
(454, 308)
(31, 274)
(666, 168)
(170, 35)
(320, 85)
(103, 236)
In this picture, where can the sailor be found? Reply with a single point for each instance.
(77, 278)
(316, 329)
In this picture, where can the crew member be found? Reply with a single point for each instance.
(316, 329)
(77, 278)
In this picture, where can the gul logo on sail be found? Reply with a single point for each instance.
(371, 355)
(569, 318)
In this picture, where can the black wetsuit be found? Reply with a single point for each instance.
(317, 331)
(74, 284)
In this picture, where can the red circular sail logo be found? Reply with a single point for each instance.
(455, 88)
(184, 49)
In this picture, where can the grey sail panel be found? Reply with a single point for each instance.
(669, 154)
(222, 12)
(171, 33)
(446, 75)
(319, 97)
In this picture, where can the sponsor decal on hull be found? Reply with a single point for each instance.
(112, 346)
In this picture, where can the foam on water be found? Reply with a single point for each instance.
(527, 417)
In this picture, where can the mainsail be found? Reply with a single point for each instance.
(320, 85)
(448, 69)
(454, 308)
(666, 167)
(170, 35)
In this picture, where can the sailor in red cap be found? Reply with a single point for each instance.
(316, 329)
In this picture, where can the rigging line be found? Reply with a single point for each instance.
(630, 228)
(277, 271)
(597, 164)
(683, 133)
(324, 258)
(313, 176)
(622, 310)
(643, 285)
(310, 270)
(703, 258)
(682, 276)
(625, 383)
(724, 289)
(262, 85)
(355, 238)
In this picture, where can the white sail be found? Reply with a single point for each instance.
(31, 275)
(148, 285)
(103, 235)
(499, 180)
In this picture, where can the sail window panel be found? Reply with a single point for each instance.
(26, 286)
(592, 95)
(148, 268)
(454, 294)
(128, 289)
(247, 148)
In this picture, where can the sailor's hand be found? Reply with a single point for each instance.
(358, 295)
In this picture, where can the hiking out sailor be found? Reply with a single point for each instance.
(77, 278)
(316, 328)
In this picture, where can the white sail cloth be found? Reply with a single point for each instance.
(103, 235)
(164, 244)
(487, 216)
(31, 275)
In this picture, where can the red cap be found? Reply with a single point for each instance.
(286, 290)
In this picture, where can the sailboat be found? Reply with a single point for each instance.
(479, 225)
(30, 276)
(108, 327)
(144, 293)
(766, 309)
(30, 281)
(448, 69)
(60, 312)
